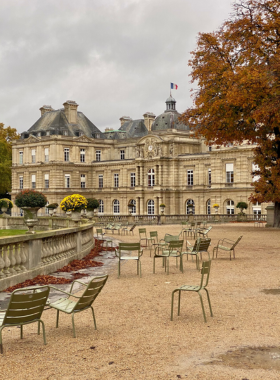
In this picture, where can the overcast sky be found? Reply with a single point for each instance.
(113, 57)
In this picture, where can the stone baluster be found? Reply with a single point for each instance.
(23, 255)
(2, 263)
(17, 257)
(12, 257)
(6, 261)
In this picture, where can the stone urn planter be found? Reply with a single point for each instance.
(76, 216)
(30, 218)
(4, 210)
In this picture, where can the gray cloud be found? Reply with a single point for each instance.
(113, 57)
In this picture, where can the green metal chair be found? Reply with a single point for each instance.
(129, 247)
(117, 227)
(201, 245)
(226, 245)
(204, 231)
(99, 231)
(26, 306)
(174, 249)
(84, 302)
(152, 240)
(205, 271)
(143, 236)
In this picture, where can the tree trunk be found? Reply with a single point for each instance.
(276, 215)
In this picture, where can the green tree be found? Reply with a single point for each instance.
(6, 136)
(236, 70)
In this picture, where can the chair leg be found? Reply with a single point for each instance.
(1, 344)
(94, 320)
(21, 332)
(167, 264)
(44, 332)
(139, 263)
(209, 302)
(57, 318)
(202, 307)
(119, 268)
(73, 325)
(38, 327)
(179, 302)
(154, 265)
(172, 303)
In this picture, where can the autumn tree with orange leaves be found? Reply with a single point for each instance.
(237, 73)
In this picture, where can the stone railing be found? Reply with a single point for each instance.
(26, 256)
(45, 223)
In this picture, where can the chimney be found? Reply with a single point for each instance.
(70, 109)
(123, 119)
(45, 109)
(149, 118)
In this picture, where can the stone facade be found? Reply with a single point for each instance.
(148, 161)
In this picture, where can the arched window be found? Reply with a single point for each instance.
(190, 210)
(133, 201)
(230, 206)
(151, 177)
(151, 207)
(208, 207)
(101, 206)
(116, 207)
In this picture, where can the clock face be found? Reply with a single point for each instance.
(150, 147)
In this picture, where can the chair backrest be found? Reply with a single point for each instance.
(99, 231)
(198, 224)
(26, 305)
(205, 270)
(132, 228)
(91, 292)
(176, 245)
(208, 229)
(237, 241)
(201, 245)
(154, 234)
(129, 247)
(142, 231)
(168, 238)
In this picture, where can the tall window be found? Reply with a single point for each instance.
(47, 181)
(230, 207)
(33, 181)
(116, 207)
(151, 178)
(101, 206)
(67, 181)
(83, 181)
(132, 179)
(98, 155)
(122, 154)
(33, 155)
(21, 182)
(190, 210)
(190, 177)
(257, 210)
(151, 207)
(21, 157)
(66, 154)
(46, 154)
(100, 181)
(116, 180)
(209, 177)
(133, 201)
(82, 155)
(229, 173)
(208, 207)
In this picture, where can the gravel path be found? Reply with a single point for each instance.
(135, 337)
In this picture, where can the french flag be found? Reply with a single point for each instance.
(174, 86)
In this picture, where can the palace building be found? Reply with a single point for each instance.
(147, 162)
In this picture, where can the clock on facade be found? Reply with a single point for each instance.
(150, 147)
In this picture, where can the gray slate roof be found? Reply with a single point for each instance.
(134, 128)
(56, 122)
(168, 120)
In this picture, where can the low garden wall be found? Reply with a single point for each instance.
(26, 256)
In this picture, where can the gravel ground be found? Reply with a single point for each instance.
(135, 337)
